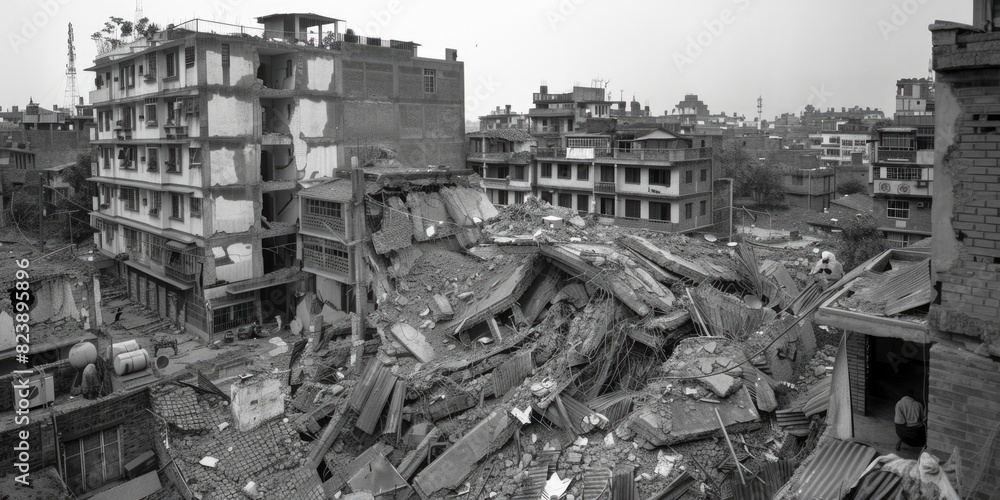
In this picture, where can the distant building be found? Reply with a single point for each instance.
(204, 138)
(504, 158)
(839, 141)
(812, 188)
(914, 97)
(501, 118)
(557, 114)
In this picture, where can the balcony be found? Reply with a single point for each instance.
(604, 187)
(890, 156)
(493, 183)
(652, 225)
(175, 131)
(635, 154)
(100, 95)
(277, 185)
(323, 225)
(515, 185)
(323, 261)
(179, 273)
(550, 112)
(513, 158)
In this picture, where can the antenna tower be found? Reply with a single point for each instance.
(72, 92)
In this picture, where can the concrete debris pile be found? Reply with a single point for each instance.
(571, 360)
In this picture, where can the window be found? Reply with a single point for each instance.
(177, 206)
(109, 234)
(429, 77)
(105, 196)
(171, 64)
(688, 210)
(106, 156)
(501, 197)
(583, 172)
(582, 203)
(688, 176)
(324, 208)
(703, 207)
(902, 173)
(659, 211)
(195, 207)
(547, 197)
(131, 198)
(704, 175)
(155, 248)
(897, 240)
(565, 200)
(564, 172)
(173, 161)
(131, 238)
(225, 54)
(607, 173)
(898, 209)
(152, 158)
(151, 65)
(288, 68)
(633, 209)
(518, 197)
(149, 112)
(225, 318)
(324, 253)
(93, 460)
(659, 177)
(188, 57)
(546, 170)
(519, 173)
(154, 208)
(194, 157)
(631, 176)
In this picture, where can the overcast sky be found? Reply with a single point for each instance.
(729, 52)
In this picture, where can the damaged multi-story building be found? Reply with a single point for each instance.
(205, 132)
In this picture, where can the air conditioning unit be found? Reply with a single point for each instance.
(154, 211)
(105, 205)
(923, 184)
(41, 391)
(921, 204)
(884, 187)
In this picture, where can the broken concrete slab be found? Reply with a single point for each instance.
(466, 206)
(413, 341)
(673, 263)
(443, 305)
(721, 384)
(457, 462)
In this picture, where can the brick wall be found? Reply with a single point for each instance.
(857, 367)
(54, 147)
(920, 218)
(963, 404)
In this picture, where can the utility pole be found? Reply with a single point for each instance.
(41, 212)
(357, 261)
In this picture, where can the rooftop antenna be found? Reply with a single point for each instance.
(760, 109)
(72, 92)
(138, 12)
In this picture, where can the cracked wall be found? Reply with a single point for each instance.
(234, 262)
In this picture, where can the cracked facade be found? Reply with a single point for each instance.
(203, 140)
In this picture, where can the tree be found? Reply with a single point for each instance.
(852, 186)
(117, 32)
(761, 180)
(860, 240)
(81, 198)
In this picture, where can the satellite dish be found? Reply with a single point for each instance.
(711, 238)
(162, 362)
(732, 244)
(753, 302)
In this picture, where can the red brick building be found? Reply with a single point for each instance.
(964, 320)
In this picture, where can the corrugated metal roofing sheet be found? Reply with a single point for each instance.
(877, 485)
(833, 470)
(774, 476)
(597, 484)
(819, 398)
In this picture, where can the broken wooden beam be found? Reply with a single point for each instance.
(411, 462)
(329, 435)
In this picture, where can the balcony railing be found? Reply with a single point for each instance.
(519, 157)
(635, 154)
(226, 29)
(185, 275)
(604, 187)
(537, 97)
(890, 156)
(323, 261)
(175, 131)
(322, 224)
(494, 183)
(652, 225)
